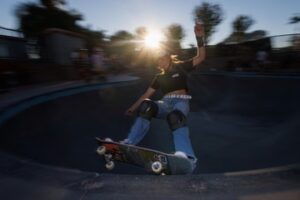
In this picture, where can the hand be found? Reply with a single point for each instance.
(129, 112)
(199, 30)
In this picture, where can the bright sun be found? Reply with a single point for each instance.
(153, 39)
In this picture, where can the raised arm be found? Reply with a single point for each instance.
(199, 33)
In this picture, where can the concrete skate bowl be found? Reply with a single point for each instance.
(236, 123)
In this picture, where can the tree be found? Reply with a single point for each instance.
(121, 36)
(122, 45)
(211, 15)
(53, 3)
(240, 25)
(295, 20)
(295, 39)
(35, 18)
(94, 38)
(254, 35)
(141, 32)
(174, 34)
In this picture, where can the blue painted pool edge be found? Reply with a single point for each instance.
(12, 110)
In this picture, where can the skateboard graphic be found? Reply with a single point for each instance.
(151, 160)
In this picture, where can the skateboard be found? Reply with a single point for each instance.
(153, 161)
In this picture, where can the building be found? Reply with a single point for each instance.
(12, 44)
(58, 45)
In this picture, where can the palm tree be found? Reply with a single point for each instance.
(240, 25)
(53, 3)
(174, 34)
(295, 20)
(211, 15)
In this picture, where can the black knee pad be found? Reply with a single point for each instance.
(148, 109)
(176, 119)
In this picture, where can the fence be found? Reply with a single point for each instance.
(286, 42)
(11, 32)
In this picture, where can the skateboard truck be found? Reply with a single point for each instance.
(108, 158)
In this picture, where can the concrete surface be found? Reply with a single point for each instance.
(23, 179)
(237, 123)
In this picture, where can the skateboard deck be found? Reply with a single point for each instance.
(151, 160)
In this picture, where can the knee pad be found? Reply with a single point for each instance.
(148, 109)
(176, 119)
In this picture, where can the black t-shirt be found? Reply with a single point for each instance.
(175, 79)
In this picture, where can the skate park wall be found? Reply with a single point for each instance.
(236, 123)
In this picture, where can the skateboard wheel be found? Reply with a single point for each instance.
(110, 165)
(101, 150)
(156, 167)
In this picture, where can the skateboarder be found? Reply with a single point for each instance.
(174, 106)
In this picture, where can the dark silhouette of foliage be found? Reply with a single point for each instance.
(122, 44)
(174, 35)
(121, 36)
(53, 3)
(211, 15)
(295, 19)
(240, 25)
(35, 18)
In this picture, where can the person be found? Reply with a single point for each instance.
(261, 59)
(174, 106)
(97, 61)
(83, 65)
(98, 65)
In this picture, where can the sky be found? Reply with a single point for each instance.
(114, 15)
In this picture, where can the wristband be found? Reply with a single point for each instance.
(200, 41)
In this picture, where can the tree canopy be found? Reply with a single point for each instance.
(295, 19)
(240, 25)
(174, 34)
(211, 15)
(53, 3)
(35, 18)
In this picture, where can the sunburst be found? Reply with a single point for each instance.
(153, 39)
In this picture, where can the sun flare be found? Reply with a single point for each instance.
(153, 39)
